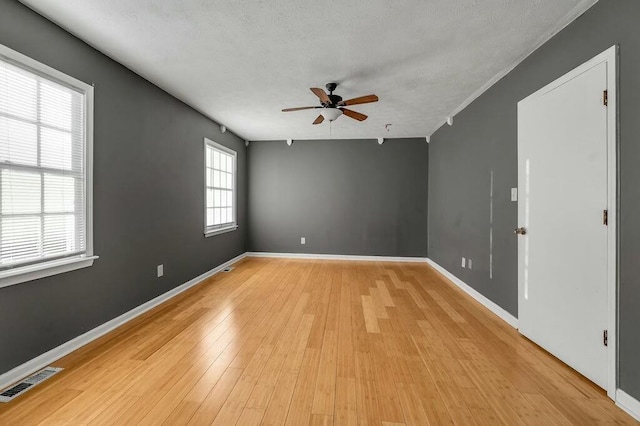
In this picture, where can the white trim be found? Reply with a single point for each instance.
(44, 69)
(220, 230)
(493, 307)
(219, 147)
(574, 14)
(210, 231)
(609, 56)
(612, 56)
(88, 170)
(628, 403)
(56, 353)
(44, 269)
(335, 257)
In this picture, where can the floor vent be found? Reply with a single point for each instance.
(228, 269)
(28, 383)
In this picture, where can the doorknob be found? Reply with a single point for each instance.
(520, 231)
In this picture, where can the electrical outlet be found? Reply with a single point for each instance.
(469, 264)
(464, 262)
(160, 270)
(303, 240)
(514, 194)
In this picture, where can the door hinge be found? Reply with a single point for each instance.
(605, 217)
(605, 337)
(605, 98)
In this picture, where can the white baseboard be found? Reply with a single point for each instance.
(335, 257)
(58, 352)
(503, 314)
(628, 403)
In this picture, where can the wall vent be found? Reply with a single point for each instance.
(20, 388)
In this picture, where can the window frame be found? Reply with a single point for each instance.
(49, 267)
(210, 231)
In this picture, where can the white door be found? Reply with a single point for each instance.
(563, 185)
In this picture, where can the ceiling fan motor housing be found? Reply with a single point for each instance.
(333, 98)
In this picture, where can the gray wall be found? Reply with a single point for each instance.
(344, 196)
(484, 138)
(148, 193)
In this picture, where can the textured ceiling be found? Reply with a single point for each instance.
(240, 62)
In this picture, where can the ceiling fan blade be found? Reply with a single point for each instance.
(361, 100)
(353, 114)
(318, 120)
(298, 109)
(321, 94)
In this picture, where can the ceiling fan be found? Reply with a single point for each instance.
(333, 106)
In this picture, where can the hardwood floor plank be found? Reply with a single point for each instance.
(280, 400)
(302, 399)
(324, 395)
(369, 312)
(398, 284)
(547, 411)
(235, 403)
(287, 345)
(37, 411)
(346, 413)
(181, 414)
(378, 303)
(411, 405)
(358, 326)
(389, 406)
(209, 408)
(320, 420)
(345, 356)
(367, 402)
(387, 300)
(251, 416)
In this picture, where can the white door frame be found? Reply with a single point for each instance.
(610, 56)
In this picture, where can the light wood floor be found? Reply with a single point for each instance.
(315, 342)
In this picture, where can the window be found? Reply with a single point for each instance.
(45, 170)
(220, 189)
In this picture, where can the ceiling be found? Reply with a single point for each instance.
(240, 62)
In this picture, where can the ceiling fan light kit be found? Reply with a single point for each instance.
(331, 113)
(333, 106)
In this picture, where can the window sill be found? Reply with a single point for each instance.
(45, 269)
(220, 231)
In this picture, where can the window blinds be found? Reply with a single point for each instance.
(42, 179)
